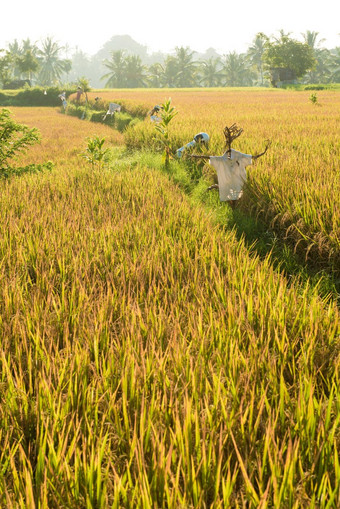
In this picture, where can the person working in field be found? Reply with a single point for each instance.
(154, 113)
(231, 168)
(200, 139)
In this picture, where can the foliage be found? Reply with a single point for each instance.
(15, 138)
(35, 96)
(211, 74)
(6, 61)
(288, 54)
(122, 121)
(116, 65)
(95, 154)
(186, 67)
(135, 72)
(52, 67)
(28, 64)
(236, 71)
(313, 98)
(167, 113)
(84, 84)
(255, 55)
(126, 71)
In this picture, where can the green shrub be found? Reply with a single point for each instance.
(78, 111)
(97, 116)
(122, 121)
(134, 122)
(95, 154)
(314, 87)
(37, 96)
(15, 139)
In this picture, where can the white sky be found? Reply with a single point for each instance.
(161, 25)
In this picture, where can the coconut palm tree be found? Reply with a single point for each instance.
(186, 67)
(52, 67)
(169, 75)
(235, 70)
(211, 72)
(28, 45)
(135, 72)
(84, 85)
(335, 65)
(116, 77)
(255, 54)
(310, 38)
(14, 52)
(321, 71)
(6, 67)
(27, 64)
(155, 73)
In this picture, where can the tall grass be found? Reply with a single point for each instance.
(148, 360)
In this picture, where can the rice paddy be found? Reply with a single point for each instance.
(148, 358)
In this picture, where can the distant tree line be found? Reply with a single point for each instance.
(268, 61)
(25, 62)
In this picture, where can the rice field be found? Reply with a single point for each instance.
(295, 187)
(147, 358)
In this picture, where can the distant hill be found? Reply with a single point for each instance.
(122, 42)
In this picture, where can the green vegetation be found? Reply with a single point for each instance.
(287, 59)
(35, 96)
(120, 120)
(123, 63)
(15, 139)
(95, 154)
(166, 114)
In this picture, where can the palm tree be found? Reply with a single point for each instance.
(310, 38)
(14, 51)
(52, 66)
(27, 64)
(235, 70)
(255, 53)
(321, 72)
(323, 68)
(84, 84)
(135, 72)
(27, 45)
(6, 67)
(211, 72)
(169, 75)
(155, 73)
(117, 67)
(186, 67)
(335, 65)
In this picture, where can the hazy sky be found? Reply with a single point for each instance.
(162, 25)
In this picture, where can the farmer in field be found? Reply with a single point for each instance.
(63, 99)
(200, 138)
(231, 168)
(154, 113)
(79, 93)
